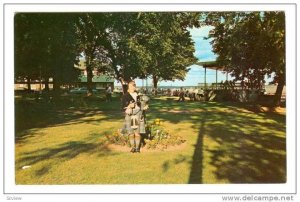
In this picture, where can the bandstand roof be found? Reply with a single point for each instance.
(211, 65)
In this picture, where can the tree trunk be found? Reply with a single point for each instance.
(89, 72)
(47, 84)
(124, 88)
(56, 88)
(89, 80)
(278, 92)
(124, 85)
(56, 85)
(28, 84)
(155, 81)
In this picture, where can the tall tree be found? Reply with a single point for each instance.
(28, 56)
(45, 47)
(129, 57)
(274, 31)
(92, 35)
(250, 45)
(132, 45)
(62, 49)
(169, 43)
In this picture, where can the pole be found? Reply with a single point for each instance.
(40, 78)
(146, 85)
(216, 78)
(205, 78)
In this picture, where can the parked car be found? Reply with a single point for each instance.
(21, 90)
(81, 90)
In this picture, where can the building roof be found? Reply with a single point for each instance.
(211, 65)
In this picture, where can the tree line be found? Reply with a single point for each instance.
(249, 45)
(123, 45)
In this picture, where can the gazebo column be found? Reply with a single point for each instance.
(204, 77)
(216, 78)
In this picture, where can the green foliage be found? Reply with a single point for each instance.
(45, 47)
(157, 137)
(123, 45)
(249, 45)
(160, 138)
(117, 138)
(131, 45)
(169, 43)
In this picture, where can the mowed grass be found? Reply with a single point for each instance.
(64, 143)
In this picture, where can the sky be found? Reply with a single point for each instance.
(203, 51)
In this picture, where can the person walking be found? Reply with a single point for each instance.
(108, 93)
(181, 95)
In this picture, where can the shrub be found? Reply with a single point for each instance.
(156, 137)
(118, 139)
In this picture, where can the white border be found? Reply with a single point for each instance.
(10, 186)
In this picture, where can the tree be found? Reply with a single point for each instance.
(274, 30)
(62, 49)
(169, 43)
(27, 53)
(124, 45)
(128, 56)
(92, 36)
(45, 47)
(150, 44)
(137, 45)
(250, 45)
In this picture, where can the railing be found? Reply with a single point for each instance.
(224, 86)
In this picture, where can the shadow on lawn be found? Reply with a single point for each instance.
(31, 115)
(163, 110)
(247, 147)
(197, 162)
(248, 151)
(62, 152)
(239, 146)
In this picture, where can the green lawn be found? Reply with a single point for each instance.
(64, 143)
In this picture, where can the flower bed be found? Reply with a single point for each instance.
(156, 137)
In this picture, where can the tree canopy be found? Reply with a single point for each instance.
(250, 45)
(133, 45)
(45, 47)
(123, 45)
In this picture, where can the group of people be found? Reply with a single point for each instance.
(193, 94)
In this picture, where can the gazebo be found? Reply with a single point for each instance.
(214, 66)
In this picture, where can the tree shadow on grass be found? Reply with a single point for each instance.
(178, 160)
(240, 147)
(30, 115)
(61, 153)
(248, 151)
(176, 112)
(269, 112)
(197, 162)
